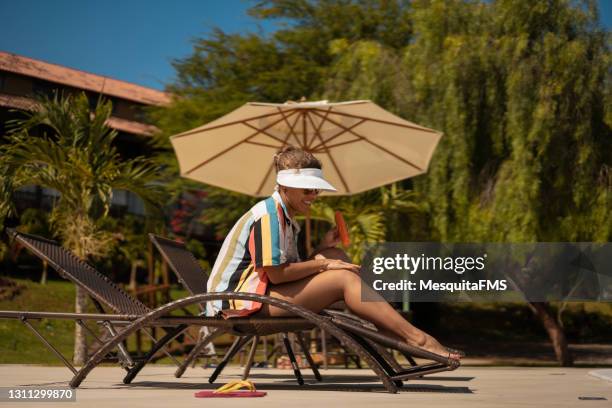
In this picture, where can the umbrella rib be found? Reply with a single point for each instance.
(374, 144)
(194, 131)
(341, 133)
(269, 170)
(260, 144)
(304, 135)
(264, 179)
(316, 130)
(284, 117)
(262, 131)
(221, 153)
(343, 143)
(386, 122)
(331, 158)
(287, 122)
(295, 123)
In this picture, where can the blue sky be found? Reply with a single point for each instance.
(131, 40)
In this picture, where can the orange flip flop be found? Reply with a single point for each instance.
(232, 390)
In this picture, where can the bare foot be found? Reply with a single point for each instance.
(432, 345)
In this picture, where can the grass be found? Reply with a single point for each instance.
(18, 344)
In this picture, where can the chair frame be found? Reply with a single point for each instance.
(193, 278)
(191, 275)
(100, 290)
(131, 316)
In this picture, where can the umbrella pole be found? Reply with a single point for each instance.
(308, 243)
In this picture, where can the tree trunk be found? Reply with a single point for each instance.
(133, 274)
(43, 278)
(80, 343)
(555, 332)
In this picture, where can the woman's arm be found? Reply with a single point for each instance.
(330, 240)
(289, 272)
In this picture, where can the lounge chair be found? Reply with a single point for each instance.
(131, 316)
(193, 278)
(191, 275)
(102, 291)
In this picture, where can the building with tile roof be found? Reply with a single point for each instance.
(21, 78)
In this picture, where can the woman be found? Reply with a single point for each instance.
(260, 255)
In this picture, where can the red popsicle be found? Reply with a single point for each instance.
(342, 230)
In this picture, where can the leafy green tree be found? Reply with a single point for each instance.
(228, 70)
(76, 158)
(130, 242)
(521, 90)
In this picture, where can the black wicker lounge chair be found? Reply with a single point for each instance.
(191, 275)
(193, 278)
(131, 316)
(102, 291)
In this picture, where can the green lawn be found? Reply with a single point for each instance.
(18, 344)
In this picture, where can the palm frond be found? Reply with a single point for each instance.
(79, 161)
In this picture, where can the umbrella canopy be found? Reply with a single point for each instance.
(360, 144)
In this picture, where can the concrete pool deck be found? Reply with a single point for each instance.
(471, 387)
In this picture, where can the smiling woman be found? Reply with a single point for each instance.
(266, 236)
(260, 255)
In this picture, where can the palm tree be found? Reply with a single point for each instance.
(76, 158)
(36, 221)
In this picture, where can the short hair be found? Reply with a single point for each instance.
(291, 157)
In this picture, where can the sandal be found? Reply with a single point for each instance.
(231, 390)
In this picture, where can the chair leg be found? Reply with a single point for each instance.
(265, 350)
(275, 350)
(193, 355)
(49, 346)
(147, 319)
(171, 334)
(163, 349)
(410, 359)
(294, 364)
(234, 348)
(324, 349)
(373, 351)
(122, 361)
(387, 356)
(311, 362)
(249, 362)
(122, 350)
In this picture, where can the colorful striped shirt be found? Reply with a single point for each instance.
(264, 236)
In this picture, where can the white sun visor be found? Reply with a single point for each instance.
(303, 178)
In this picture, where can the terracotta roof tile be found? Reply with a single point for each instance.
(124, 125)
(80, 79)
(16, 102)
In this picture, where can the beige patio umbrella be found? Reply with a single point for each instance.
(361, 145)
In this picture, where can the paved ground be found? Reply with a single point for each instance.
(465, 387)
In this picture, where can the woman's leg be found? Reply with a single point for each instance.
(318, 291)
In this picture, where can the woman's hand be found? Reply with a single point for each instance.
(332, 264)
(331, 239)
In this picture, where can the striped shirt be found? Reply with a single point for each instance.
(264, 236)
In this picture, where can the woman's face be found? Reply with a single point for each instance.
(299, 200)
